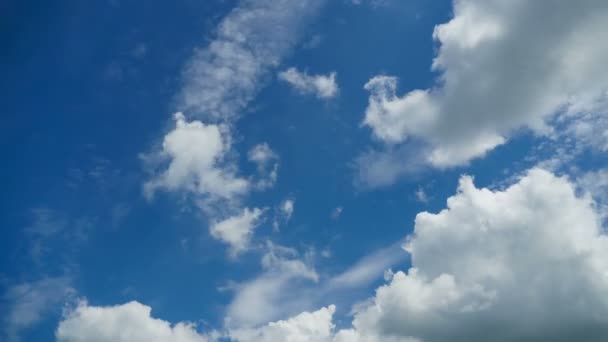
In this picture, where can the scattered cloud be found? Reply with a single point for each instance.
(322, 86)
(283, 213)
(236, 231)
(197, 162)
(267, 164)
(221, 79)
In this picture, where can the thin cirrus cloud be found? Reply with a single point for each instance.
(504, 66)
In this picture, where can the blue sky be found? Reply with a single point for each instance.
(230, 164)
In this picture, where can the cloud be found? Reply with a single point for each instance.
(236, 231)
(221, 79)
(382, 168)
(421, 195)
(337, 212)
(524, 264)
(130, 322)
(197, 162)
(271, 295)
(267, 164)
(306, 327)
(370, 268)
(322, 86)
(27, 303)
(283, 213)
(504, 66)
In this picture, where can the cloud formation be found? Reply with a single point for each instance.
(130, 322)
(524, 264)
(221, 79)
(237, 230)
(322, 86)
(25, 304)
(197, 162)
(504, 66)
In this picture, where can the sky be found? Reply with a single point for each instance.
(304, 171)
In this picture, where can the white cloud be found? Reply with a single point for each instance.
(196, 154)
(237, 230)
(272, 294)
(218, 83)
(130, 322)
(505, 65)
(267, 164)
(283, 213)
(221, 79)
(368, 269)
(524, 264)
(306, 327)
(322, 86)
(27, 303)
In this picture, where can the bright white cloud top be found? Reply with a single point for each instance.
(196, 153)
(504, 66)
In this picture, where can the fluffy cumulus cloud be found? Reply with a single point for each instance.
(197, 162)
(322, 86)
(525, 264)
(237, 230)
(130, 322)
(306, 327)
(504, 65)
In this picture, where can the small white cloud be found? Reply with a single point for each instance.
(197, 157)
(237, 230)
(284, 213)
(323, 86)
